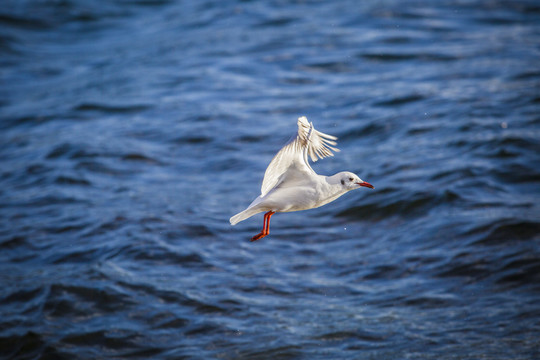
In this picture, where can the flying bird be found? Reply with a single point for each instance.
(290, 184)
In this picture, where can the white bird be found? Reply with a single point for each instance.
(290, 184)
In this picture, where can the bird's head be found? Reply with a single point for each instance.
(350, 181)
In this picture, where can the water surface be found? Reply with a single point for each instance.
(132, 130)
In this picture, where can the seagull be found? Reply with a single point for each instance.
(290, 184)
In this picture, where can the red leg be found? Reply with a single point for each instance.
(266, 226)
(267, 229)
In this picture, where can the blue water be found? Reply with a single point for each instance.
(132, 130)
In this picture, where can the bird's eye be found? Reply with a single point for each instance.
(351, 179)
(342, 182)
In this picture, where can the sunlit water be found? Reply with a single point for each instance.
(132, 130)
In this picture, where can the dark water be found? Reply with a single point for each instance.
(132, 130)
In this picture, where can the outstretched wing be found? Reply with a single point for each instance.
(294, 155)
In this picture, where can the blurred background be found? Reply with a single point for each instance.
(132, 130)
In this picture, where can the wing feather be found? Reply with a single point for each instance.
(307, 142)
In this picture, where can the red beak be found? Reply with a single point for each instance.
(366, 184)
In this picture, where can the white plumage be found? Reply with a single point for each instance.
(290, 184)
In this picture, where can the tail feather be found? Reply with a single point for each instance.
(241, 216)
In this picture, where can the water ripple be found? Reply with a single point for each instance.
(133, 130)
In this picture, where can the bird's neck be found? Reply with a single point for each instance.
(334, 189)
(333, 180)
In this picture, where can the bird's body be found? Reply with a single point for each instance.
(290, 184)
